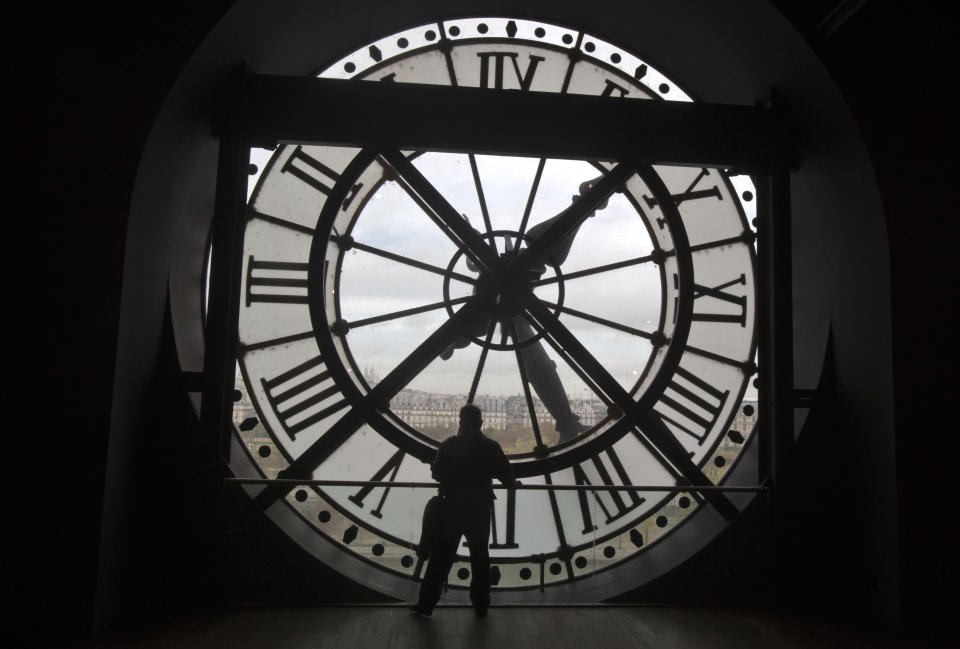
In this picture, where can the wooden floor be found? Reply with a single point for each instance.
(530, 628)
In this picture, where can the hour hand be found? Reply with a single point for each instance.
(584, 186)
(558, 254)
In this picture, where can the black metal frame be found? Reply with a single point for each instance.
(266, 110)
(270, 109)
(776, 301)
(220, 327)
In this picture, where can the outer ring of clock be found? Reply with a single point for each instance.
(697, 526)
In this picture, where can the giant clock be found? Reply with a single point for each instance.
(602, 313)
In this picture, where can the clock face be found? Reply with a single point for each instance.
(602, 316)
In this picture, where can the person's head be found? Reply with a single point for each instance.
(470, 419)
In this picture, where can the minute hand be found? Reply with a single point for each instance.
(650, 426)
(639, 413)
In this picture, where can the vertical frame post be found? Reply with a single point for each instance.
(776, 330)
(220, 330)
(226, 267)
(766, 334)
(780, 323)
(776, 304)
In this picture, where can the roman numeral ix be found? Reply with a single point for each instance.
(280, 282)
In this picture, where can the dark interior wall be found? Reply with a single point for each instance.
(90, 82)
(891, 64)
(83, 85)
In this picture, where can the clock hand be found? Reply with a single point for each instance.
(478, 326)
(557, 231)
(539, 369)
(558, 227)
(366, 407)
(543, 376)
(558, 254)
(636, 413)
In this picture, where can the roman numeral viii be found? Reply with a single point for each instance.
(494, 73)
(294, 394)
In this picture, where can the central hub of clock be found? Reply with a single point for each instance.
(507, 304)
(506, 313)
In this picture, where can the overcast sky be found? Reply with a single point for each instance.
(372, 286)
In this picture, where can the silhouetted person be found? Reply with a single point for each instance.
(464, 467)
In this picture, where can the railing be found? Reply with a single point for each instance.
(544, 487)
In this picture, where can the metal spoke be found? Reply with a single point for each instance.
(426, 209)
(561, 352)
(716, 357)
(595, 270)
(747, 238)
(243, 349)
(521, 366)
(255, 214)
(599, 166)
(599, 320)
(404, 313)
(534, 188)
(408, 261)
(470, 241)
(480, 363)
(430, 348)
(480, 197)
(573, 62)
(451, 70)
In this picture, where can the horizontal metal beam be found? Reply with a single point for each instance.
(541, 487)
(271, 109)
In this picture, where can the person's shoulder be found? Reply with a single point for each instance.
(492, 444)
(450, 441)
